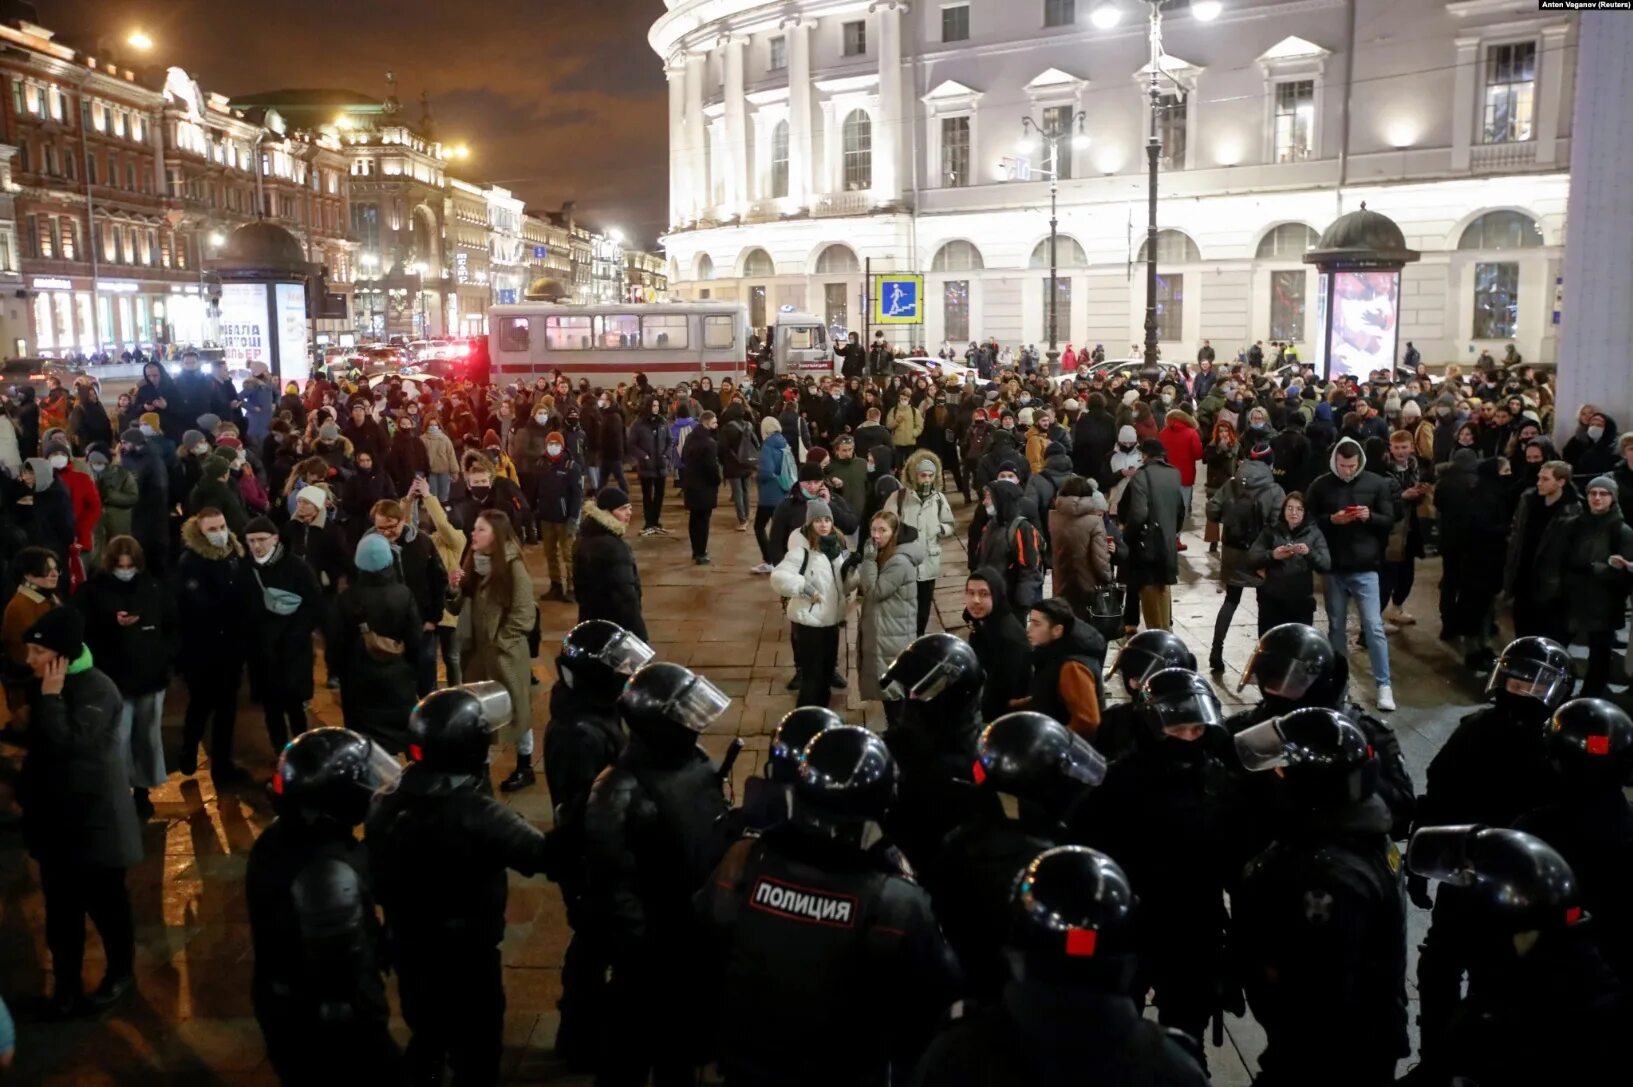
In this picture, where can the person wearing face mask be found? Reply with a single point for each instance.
(1591, 450)
(116, 487)
(651, 445)
(527, 449)
(407, 458)
(38, 505)
(442, 460)
(41, 586)
(149, 517)
(374, 643)
(358, 495)
(905, 423)
(212, 576)
(214, 492)
(285, 610)
(810, 576)
(559, 497)
(83, 497)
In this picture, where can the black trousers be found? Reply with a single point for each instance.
(697, 527)
(285, 717)
(301, 1049)
(762, 517)
(74, 892)
(927, 598)
(527, 521)
(1276, 610)
(1395, 581)
(453, 998)
(212, 699)
(816, 655)
(1227, 612)
(652, 499)
(1600, 643)
(648, 1034)
(1534, 619)
(583, 1002)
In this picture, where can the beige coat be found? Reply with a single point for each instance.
(493, 642)
(449, 542)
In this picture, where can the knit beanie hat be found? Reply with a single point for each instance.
(1410, 410)
(191, 438)
(60, 630)
(810, 473)
(328, 432)
(1603, 483)
(319, 498)
(56, 446)
(373, 554)
(148, 418)
(611, 498)
(1025, 417)
(96, 455)
(208, 422)
(816, 455)
(815, 508)
(262, 525)
(1127, 436)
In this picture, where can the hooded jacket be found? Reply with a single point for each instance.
(47, 520)
(1000, 645)
(1356, 547)
(1292, 578)
(1082, 561)
(1012, 544)
(605, 578)
(888, 620)
(210, 587)
(931, 516)
(1255, 485)
(1588, 457)
(811, 582)
(1184, 445)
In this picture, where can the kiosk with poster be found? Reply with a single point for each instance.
(263, 304)
(1360, 257)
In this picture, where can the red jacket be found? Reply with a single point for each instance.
(1184, 445)
(87, 503)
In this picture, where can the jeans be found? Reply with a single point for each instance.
(73, 892)
(697, 527)
(739, 496)
(140, 724)
(441, 484)
(1187, 492)
(1364, 588)
(652, 499)
(425, 671)
(1227, 612)
(593, 473)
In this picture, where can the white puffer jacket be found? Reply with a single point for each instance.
(811, 583)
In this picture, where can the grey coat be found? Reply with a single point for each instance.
(1153, 494)
(1254, 479)
(890, 611)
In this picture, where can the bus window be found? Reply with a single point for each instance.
(718, 332)
(804, 337)
(664, 330)
(617, 330)
(567, 333)
(514, 334)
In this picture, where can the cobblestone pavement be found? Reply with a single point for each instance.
(190, 1021)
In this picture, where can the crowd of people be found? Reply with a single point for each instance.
(206, 531)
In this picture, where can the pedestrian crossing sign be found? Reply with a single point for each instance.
(897, 299)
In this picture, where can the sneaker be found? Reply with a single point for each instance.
(649, 531)
(700, 560)
(112, 990)
(742, 526)
(762, 568)
(1386, 698)
(661, 531)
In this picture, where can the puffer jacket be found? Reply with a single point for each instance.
(890, 609)
(930, 517)
(1357, 547)
(605, 577)
(812, 583)
(1082, 561)
(1292, 578)
(905, 426)
(771, 490)
(649, 445)
(1253, 480)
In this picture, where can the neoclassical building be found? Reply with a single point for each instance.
(810, 139)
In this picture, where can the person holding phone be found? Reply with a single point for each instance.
(1290, 551)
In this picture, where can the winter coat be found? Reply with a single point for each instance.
(75, 781)
(771, 492)
(731, 433)
(150, 520)
(377, 691)
(1292, 578)
(136, 657)
(560, 493)
(605, 578)
(789, 518)
(1252, 483)
(853, 479)
(812, 583)
(905, 426)
(218, 494)
(210, 602)
(322, 546)
(450, 546)
(1000, 645)
(1540, 576)
(118, 489)
(260, 405)
(439, 451)
(527, 446)
(1184, 445)
(1597, 590)
(493, 639)
(88, 423)
(1589, 458)
(1153, 501)
(1011, 544)
(11, 449)
(1093, 439)
(679, 431)
(1081, 559)
(406, 458)
(889, 615)
(931, 518)
(650, 445)
(85, 501)
(280, 646)
(359, 494)
(700, 470)
(1357, 547)
(612, 438)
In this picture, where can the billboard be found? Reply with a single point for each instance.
(289, 303)
(898, 300)
(246, 337)
(1365, 322)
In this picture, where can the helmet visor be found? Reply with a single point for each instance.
(497, 710)
(1530, 679)
(625, 653)
(383, 771)
(1180, 711)
(699, 705)
(1082, 763)
(1443, 853)
(935, 681)
(1262, 747)
(1278, 676)
(1136, 666)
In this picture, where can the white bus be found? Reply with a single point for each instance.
(613, 341)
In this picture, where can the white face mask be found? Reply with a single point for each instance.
(992, 511)
(201, 449)
(262, 560)
(218, 538)
(1594, 434)
(125, 573)
(541, 418)
(58, 461)
(147, 431)
(554, 449)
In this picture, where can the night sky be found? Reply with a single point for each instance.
(557, 99)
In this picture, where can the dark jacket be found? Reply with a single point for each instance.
(1010, 543)
(1000, 645)
(1589, 458)
(1093, 439)
(405, 459)
(321, 547)
(136, 657)
(1356, 547)
(210, 602)
(611, 443)
(47, 521)
(650, 445)
(1082, 644)
(1249, 499)
(559, 496)
(790, 517)
(1153, 503)
(219, 494)
(281, 645)
(419, 566)
(1597, 590)
(605, 578)
(733, 428)
(1535, 566)
(359, 495)
(377, 690)
(700, 469)
(1292, 578)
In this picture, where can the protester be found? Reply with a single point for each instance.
(1000, 643)
(1153, 509)
(1243, 508)
(700, 475)
(494, 624)
(922, 505)
(211, 578)
(1068, 658)
(286, 608)
(885, 580)
(1598, 571)
(373, 645)
(810, 577)
(604, 571)
(651, 445)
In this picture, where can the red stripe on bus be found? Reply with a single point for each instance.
(567, 366)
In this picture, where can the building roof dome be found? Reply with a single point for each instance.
(1363, 238)
(545, 289)
(262, 248)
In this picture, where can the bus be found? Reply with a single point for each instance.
(613, 341)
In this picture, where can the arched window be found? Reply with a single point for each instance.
(837, 260)
(779, 160)
(1501, 230)
(705, 267)
(1289, 241)
(858, 137)
(1068, 253)
(1173, 247)
(958, 256)
(758, 264)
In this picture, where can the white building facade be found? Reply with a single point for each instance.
(812, 140)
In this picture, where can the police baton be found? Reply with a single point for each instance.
(723, 774)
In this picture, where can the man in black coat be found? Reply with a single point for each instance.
(210, 588)
(150, 519)
(1093, 439)
(611, 446)
(790, 513)
(284, 604)
(605, 578)
(999, 641)
(700, 483)
(854, 358)
(420, 567)
(194, 391)
(365, 434)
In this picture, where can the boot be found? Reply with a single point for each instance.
(144, 806)
(1216, 661)
(793, 684)
(521, 777)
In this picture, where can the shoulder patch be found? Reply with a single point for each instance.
(805, 904)
(1318, 906)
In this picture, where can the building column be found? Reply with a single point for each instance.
(679, 174)
(698, 174)
(1463, 97)
(1597, 321)
(890, 137)
(736, 188)
(801, 149)
(1551, 93)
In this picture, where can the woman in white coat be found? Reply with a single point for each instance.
(811, 578)
(884, 579)
(922, 505)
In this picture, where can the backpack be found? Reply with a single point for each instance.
(743, 448)
(787, 471)
(1241, 519)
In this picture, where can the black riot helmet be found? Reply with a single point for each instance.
(1176, 700)
(1039, 760)
(1531, 679)
(1325, 759)
(598, 657)
(1590, 742)
(668, 705)
(794, 731)
(1291, 661)
(328, 775)
(1071, 918)
(936, 668)
(450, 730)
(1519, 882)
(1149, 652)
(846, 782)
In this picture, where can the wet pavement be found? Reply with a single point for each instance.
(190, 1020)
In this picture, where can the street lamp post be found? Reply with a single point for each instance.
(1052, 141)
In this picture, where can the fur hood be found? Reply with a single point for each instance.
(192, 538)
(601, 517)
(1182, 416)
(911, 470)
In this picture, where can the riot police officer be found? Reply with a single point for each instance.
(817, 926)
(1318, 927)
(583, 738)
(1042, 772)
(1590, 822)
(1542, 1006)
(441, 844)
(938, 679)
(1168, 813)
(650, 829)
(768, 799)
(1066, 1018)
(1144, 655)
(317, 990)
(1294, 666)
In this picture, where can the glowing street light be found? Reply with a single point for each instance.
(616, 235)
(1206, 10)
(459, 151)
(217, 239)
(139, 40)
(1106, 16)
